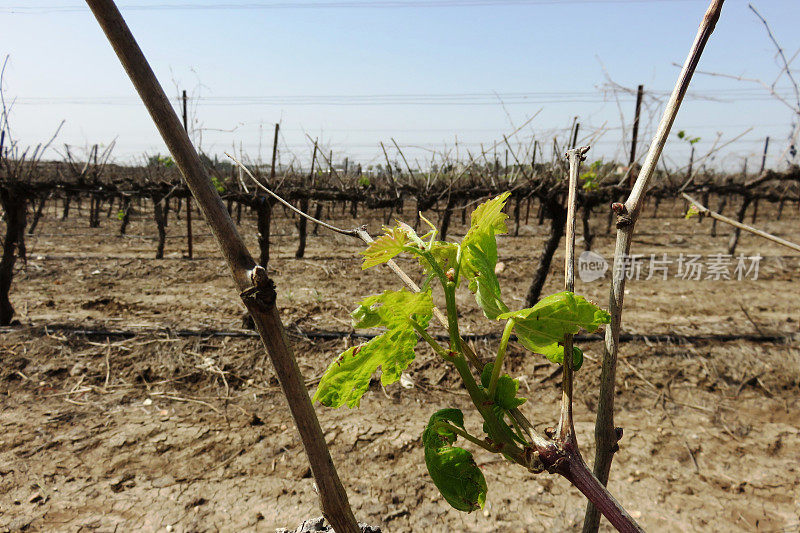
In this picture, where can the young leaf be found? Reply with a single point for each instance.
(488, 218)
(555, 353)
(453, 469)
(385, 247)
(487, 221)
(445, 255)
(392, 308)
(478, 267)
(542, 327)
(479, 255)
(506, 395)
(561, 313)
(347, 378)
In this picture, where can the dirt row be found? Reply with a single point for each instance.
(160, 433)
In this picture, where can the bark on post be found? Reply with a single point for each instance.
(635, 133)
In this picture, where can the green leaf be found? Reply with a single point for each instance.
(488, 218)
(393, 308)
(507, 432)
(365, 317)
(385, 247)
(561, 313)
(479, 255)
(218, 184)
(347, 378)
(453, 469)
(479, 265)
(691, 212)
(445, 253)
(555, 353)
(542, 327)
(506, 394)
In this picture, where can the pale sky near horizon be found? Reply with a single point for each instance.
(438, 76)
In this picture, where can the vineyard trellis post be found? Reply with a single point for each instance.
(264, 207)
(302, 223)
(256, 289)
(635, 133)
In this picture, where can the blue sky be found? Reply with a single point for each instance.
(428, 76)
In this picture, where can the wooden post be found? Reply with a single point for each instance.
(760, 173)
(575, 130)
(764, 156)
(256, 289)
(264, 207)
(635, 134)
(302, 222)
